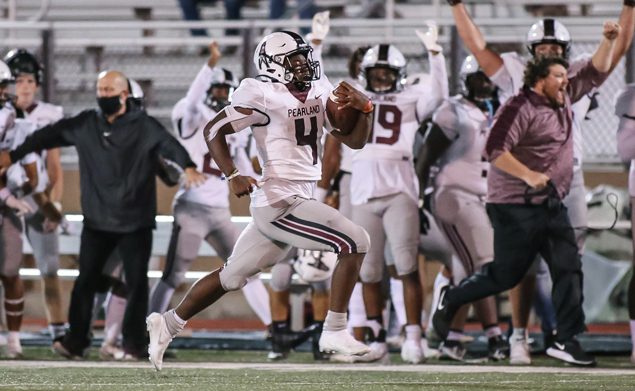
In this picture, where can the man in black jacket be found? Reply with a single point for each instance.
(118, 151)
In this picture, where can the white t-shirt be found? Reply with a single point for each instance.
(13, 137)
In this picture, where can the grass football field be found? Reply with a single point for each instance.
(249, 370)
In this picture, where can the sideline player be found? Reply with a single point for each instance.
(456, 139)
(202, 213)
(12, 132)
(44, 240)
(286, 110)
(547, 37)
(384, 189)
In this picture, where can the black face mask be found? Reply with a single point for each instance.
(109, 105)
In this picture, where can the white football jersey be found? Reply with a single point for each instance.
(42, 115)
(289, 143)
(463, 165)
(509, 80)
(214, 191)
(11, 138)
(385, 165)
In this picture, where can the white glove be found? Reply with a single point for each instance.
(429, 37)
(22, 207)
(321, 25)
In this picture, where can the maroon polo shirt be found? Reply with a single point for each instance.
(539, 135)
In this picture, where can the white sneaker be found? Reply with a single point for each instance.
(519, 351)
(14, 349)
(411, 351)
(341, 342)
(429, 352)
(378, 353)
(160, 338)
(108, 352)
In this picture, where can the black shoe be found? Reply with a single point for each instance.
(452, 350)
(315, 343)
(59, 348)
(443, 314)
(548, 339)
(282, 341)
(497, 348)
(571, 352)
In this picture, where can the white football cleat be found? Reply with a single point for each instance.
(14, 350)
(411, 351)
(108, 352)
(378, 353)
(160, 338)
(341, 342)
(519, 351)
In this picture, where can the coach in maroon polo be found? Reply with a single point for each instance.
(531, 150)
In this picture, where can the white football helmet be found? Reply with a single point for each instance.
(384, 56)
(136, 95)
(5, 73)
(271, 57)
(476, 85)
(314, 266)
(548, 31)
(221, 77)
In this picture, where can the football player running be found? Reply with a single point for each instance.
(202, 213)
(384, 188)
(456, 140)
(547, 37)
(285, 107)
(40, 231)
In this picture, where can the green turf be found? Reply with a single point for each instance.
(128, 379)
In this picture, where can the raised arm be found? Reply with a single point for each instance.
(623, 42)
(196, 93)
(602, 58)
(474, 40)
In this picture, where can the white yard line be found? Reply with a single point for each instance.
(322, 367)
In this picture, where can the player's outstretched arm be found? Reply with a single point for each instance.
(473, 39)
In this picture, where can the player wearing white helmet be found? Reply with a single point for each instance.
(625, 110)
(40, 231)
(547, 37)
(202, 213)
(12, 187)
(286, 109)
(456, 141)
(384, 189)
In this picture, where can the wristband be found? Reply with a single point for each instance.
(455, 2)
(629, 3)
(233, 174)
(370, 107)
(58, 206)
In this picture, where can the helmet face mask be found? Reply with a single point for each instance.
(543, 35)
(285, 57)
(383, 69)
